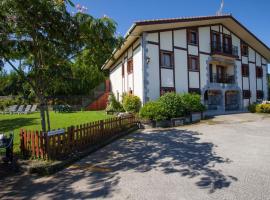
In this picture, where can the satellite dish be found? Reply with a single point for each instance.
(220, 11)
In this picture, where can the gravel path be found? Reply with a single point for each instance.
(227, 157)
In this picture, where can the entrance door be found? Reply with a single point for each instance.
(220, 73)
(231, 100)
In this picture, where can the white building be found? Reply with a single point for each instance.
(215, 56)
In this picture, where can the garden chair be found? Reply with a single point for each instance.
(34, 108)
(27, 109)
(13, 109)
(20, 109)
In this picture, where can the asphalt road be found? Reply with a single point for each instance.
(227, 157)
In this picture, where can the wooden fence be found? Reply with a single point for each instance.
(39, 145)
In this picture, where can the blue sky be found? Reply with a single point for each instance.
(254, 15)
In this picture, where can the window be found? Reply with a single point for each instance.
(194, 90)
(123, 70)
(227, 43)
(193, 63)
(259, 72)
(130, 66)
(193, 36)
(244, 49)
(215, 41)
(245, 71)
(259, 94)
(164, 90)
(166, 59)
(246, 94)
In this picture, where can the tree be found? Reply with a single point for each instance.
(99, 40)
(42, 35)
(53, 51)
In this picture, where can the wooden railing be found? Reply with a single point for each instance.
(39, 145)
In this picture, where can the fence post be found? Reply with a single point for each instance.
(101, 128)
(22, 147)
(47, 144)
(71, 137)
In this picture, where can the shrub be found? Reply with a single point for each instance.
(131, 103)
(152, 110)
(172, 105)
(192, 103)
(113, 105)
(252, 108)
(263, 108)
(4, 103)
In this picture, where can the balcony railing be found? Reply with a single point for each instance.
(226, 78)
(222, 48)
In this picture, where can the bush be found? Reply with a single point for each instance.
(152, 110)
(172, 105)
(131, 103)
(192, 103)
(114, 105)
(252, 108)
(263, 108)
(4, 103)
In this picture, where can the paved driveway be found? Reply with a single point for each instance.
(227, 157)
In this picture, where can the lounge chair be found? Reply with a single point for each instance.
(34, 108)
(27, 109)
(20, 109)
(13, 109)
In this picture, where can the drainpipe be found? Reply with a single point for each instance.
(143, 67)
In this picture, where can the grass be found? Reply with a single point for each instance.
(9, 123)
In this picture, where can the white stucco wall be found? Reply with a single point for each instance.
(181, 78)
(251, 54)
(259, 84)
(204, 35)
(138, 75)
(152, 37)
(194, 80)
(245, 83)
(166, 41)
(193, 50)
(236, 42)
(244, 60)
(203, 69)
(265, 82)
(152, 70)
(226, 31)
(252, 76)
(258, 59)
(239, 73)
(116, 80)
(215, 28)
(180, 37)
(167, 78)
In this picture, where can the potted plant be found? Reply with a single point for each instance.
(193, 107)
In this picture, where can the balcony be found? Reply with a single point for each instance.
(225, 78)
(224, 49)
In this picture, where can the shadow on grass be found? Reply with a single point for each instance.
(11, 124)
(171, 151)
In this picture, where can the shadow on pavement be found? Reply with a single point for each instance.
(169, 151)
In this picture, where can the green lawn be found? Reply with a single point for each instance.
(58, 120)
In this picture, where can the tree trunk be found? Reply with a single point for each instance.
(48, 117)
(42, 117)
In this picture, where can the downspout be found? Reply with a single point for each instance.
(143, 66)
